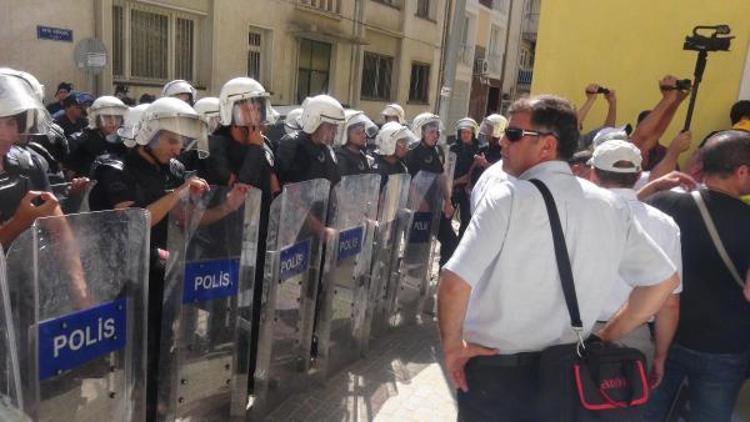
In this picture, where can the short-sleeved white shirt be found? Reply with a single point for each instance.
(493, 175)
(662, 229)
(507, 257)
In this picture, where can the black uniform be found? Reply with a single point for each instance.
(492, 153)
(430, 159)
(461, 198)
(70, 127)
(253, 165)
(133, 178)
(384, 168)
(298, 159)
(85, 146)
(22, 172)
(351, 162)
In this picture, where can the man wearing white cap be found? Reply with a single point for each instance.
(617, 167)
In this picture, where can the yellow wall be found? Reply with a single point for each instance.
(629, 45)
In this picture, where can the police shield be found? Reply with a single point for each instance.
(78, 299)
(296, 230)
(426, 202)
(393, 217)
(346, 271)
(207, 305)
(10, 377)
(72, 199)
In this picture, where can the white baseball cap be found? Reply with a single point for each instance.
(610, 133)
(615, 151)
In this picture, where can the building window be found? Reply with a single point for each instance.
(118, 41)
(376, 77)
(314, 67)
(420, 83)
(184, 48)
(153, 44)
(254, 50)
(423, 9)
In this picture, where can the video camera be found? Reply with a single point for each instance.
(714, 42)
(602, 90)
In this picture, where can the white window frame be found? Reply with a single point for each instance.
(172, 16)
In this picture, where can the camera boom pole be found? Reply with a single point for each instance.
(700, 67)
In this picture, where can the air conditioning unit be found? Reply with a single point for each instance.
(482, 66)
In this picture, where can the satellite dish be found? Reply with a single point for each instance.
(90, 55)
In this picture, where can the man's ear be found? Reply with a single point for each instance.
(549, 146)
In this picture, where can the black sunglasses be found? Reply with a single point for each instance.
(515, 134)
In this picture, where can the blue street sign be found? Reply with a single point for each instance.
(294, 260)
(420, 227)
(74, 339)
(350, 242)
(54, 34)
(212, 279)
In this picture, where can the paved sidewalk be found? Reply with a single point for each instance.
(401, 380)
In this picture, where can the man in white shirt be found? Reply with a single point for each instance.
(617, 166)
(500, 301)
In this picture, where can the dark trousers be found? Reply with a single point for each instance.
(501, 388)
(714, 383)
(447, 238)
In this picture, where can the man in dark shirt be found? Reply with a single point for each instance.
(428, 157)
(392, 146)
(24, 186)
(72, 119)
(100, 137)
(63, 90)
(712, 344)
(466, 149)
(307, 154)
(352, 143)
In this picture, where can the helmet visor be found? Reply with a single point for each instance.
(191, 129)
(250, 112)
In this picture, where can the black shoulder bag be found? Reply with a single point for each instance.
(588, 380)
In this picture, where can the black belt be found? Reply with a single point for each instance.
(518, 359)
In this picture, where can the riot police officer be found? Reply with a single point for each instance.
(393, 113)
(468, 159)
(180, 89)
(208, 109)
(352, 143)
(307, 154)
(100, 136)
(24, 186)
(149, 176)
(392, 145)
(428, 157)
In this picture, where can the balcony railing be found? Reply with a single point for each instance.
(325, 6)
(525, 76)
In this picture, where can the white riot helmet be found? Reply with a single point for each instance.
(208, 109)
(425, 119)
(30, 79)
(321, 109)
(178, 87)
(356, 118)
(394, 110)
(130, 123)
(18, 99)
(106, 105)
(390, 134)
(292, 121)
(244, 102)
(493, 125)
(176, 116)
(466, 123)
